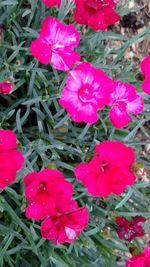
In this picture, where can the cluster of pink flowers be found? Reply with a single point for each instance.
(145, 68)
(89, 89)
(50, 199)
(11, 160)
(109, 171)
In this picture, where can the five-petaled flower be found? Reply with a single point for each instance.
(56, 43)
(140, 260)
(97, 14)
(68, 225)
(123, 101)
(129, 230)
(87, 90)
(109, 170)
(11, 160)
(145, 68)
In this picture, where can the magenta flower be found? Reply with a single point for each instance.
(145, 68)
(87, 90)
(140, 260)
(97, 14)
(109, 170)
(44, 190)
(55, 44)
(67, 226)
(50, 3)
(130, 229)
(6, 87)
(123, 101)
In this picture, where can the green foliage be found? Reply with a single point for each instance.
(48, 137)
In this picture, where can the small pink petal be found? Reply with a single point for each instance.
(40, 50)
(35, 211)
(71, 234)
(58, 34)
(136, 105)
(7, 176)
(8, 140)
(119, 118)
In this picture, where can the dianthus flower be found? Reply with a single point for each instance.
(140, 260)
(109, 170)
(123, 101)
(6, 87)
(67, 226)
(56, 43)
(11, 160)
(87, 90)
(97, 14)
(50, 3)
(130, 229)
(145, 68)
(46, 191)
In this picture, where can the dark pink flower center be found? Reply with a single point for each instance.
(55, 46)
(120, 103)
(42, 186)
(85, 94)
(104, 165)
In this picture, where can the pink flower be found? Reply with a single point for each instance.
(50, 3)
(67, 226)
(145, 68)
(6, 87)
(142, 259)
(130, 229)
(55, 44)
(11, 160)
(109, 170)
(87, 90)
(44, 190)
(123, 101)
(97, 14)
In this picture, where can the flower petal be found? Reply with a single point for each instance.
(40, 50)
(119, 118)
(136, 106)
(64, 59)
(8, 140)
(35, 211)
